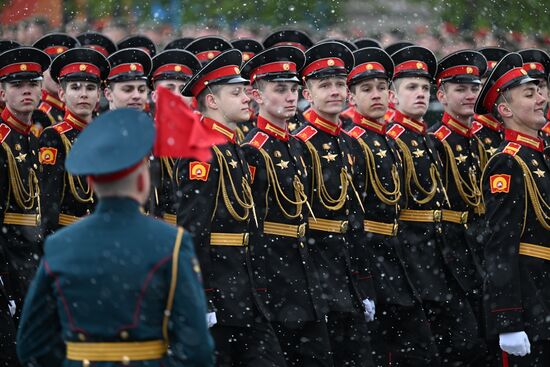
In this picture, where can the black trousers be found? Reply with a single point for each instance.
(401, 337)
(251, 346)
(539, 356)
(304, 344)
(349, 340)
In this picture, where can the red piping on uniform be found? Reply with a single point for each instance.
(507, 309)
(504, 359)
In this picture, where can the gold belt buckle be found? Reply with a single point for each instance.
(344, 226)
(302, 230)
(437, 215)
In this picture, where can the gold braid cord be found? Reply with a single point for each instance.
(469, 191)
(483, 157)
(540, 206)
(168, 164)
(246, 202)
(24, 197)
(88, 196)
(386, 196)
(273, 179)
(318, 182)
(410, 174)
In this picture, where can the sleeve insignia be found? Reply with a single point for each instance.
(307, 133)
(62, 127)
(356, 132)
(476, 126)
(512, 149)
(442, 133)
(199, 171)
(395, 131)
(252, 170)
(500, 183)
(259, 140)
(4, 132)
(48, 155)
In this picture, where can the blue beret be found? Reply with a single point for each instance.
(113, 142)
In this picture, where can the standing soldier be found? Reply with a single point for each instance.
(516, 191)
(216, 204)
(66, 198)
(20, 248)
(280, 187)
(118, 287)
(486, 127)
(171, 69)
(428, 262)
(51, 109)
(127, 80)
(400, 332)
(334, 201)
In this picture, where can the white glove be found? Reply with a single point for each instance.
(211, 319)
(370, 309)
(516, 343)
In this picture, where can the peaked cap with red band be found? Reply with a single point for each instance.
(288, 37)
(248, 47)
(366, 42)
(141, 42)
(6, 45)
(466, 66)
(23, 63)
(174, 65)
(179, 43)
(98, 42)
(370, 62)
(493, 56)
(394, 47)
(280, 63)
(328, 59)
(207, 48)
(129, 64)
(536, 62)
(508, 73)
(414, 61)
(223, 69)
(54, 44)
(80, 64)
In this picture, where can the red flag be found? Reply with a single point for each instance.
(180, 133)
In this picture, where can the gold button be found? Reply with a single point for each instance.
(85, 363)
(437, 215)
(302, 231)
(124, 334)
(125, 360)
(81, 337)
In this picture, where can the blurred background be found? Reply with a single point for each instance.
(441, 26)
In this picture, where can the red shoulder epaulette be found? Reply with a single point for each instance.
(45, 107)
(306, 133)
(512, 149)
(476, 126)
(4, 132)
(356, 132)
(546, 128)
(259, 140)
(395, 131)
(62, 127)
(442, 133)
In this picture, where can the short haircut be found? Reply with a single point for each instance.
(503, 97)
(201, 98)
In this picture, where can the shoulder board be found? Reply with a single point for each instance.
(306, 133)
(476, 126)
(442, 133)
(356, 132)
(258, 140)
(4, 132)
(512, 149)
(44, 107)
(546, 128)
(62, 127)
(395, 131)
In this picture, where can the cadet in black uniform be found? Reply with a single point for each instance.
(171, 69)
(400, 332)
(65, 198)
(216, 205)
(428, 261)
(516, 192)
(280, 187)
(20, 244)
(335, 202)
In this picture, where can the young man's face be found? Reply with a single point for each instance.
(277, 100)
(22, 96)
(525, 106)
(458, 99)
(80, 97)
(175, 86)
(543, 86)
(131, 94)
(49, 84)
(232, 102)
(371, 97)
(327, 95)
(412, 96)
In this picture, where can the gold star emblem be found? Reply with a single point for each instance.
(330, 157)
(21, 157)
(418, 153)
(233, 163)
(539, 172)
(382, 153)
(326, 146)
(491, 150)
(292, 126)
(17, 147)
(461, 158)
(283, 164)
